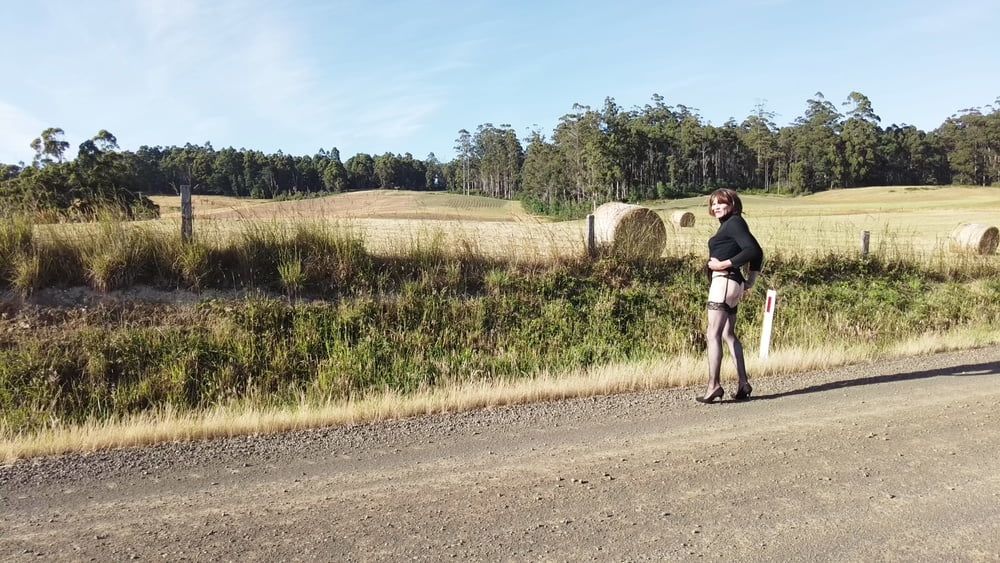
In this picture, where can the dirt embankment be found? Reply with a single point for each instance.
(889, 461)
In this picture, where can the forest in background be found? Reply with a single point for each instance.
(591, 156)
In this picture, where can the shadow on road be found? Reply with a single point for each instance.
(988, 368)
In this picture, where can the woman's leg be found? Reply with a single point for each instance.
(713, 337)
(734, 295)
(718, 313)
(736, 349)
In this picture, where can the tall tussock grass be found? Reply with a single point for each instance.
(16, 234)
(16, 237)
(117, 257)
(112, 254)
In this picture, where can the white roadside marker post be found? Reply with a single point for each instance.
(765, 332)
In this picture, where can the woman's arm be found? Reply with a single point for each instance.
(750, 250)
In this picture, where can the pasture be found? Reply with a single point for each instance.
(903, 221)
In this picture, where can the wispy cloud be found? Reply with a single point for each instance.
(17, 129)
(254, 73)
(943, 19)
(161, 18)
(395, 120)
(224, 64)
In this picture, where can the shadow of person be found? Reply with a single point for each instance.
(987, 368)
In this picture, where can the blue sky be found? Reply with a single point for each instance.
(405, 76)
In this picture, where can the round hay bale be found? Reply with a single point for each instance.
(629, 230)
(682, 218)
(975, 237)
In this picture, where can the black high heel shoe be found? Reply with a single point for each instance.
(743, 393)
(717, 394)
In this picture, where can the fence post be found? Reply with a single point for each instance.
(186, 215)
(865, 238)
(591, 237)
(770, 302)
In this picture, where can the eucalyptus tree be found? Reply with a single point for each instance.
(188, 165)
(817, 162)
(616, 144)
(101, 170)
(464, 150)
(361, 171)
(760, 134)
(387, 170)
(694, 146)
(9, 171)
(972, 140)
(860, 136)
(992, 144)
(499, 156)
(49, 187)
(733, 161)
(655, 137)
(254, 163)
(280, 174)
(226, 176)
(579, 136)
(150, 176)
(545, 174)
(412, 173)
(309, 173)
(49, 147)
(434, 175)
(335, 177)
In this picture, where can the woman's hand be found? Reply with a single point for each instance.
(715, 265)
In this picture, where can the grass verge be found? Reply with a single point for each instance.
(169, 425)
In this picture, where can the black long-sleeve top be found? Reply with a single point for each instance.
(734, 242)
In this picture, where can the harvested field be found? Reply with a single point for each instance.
(379, 204)
(903, 221)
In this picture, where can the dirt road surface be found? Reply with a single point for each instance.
(890, 461)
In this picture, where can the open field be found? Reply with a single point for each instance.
(901, 220)
(377, 204)
(388, 221)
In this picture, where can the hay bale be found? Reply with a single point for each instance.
(975, 237)
(629, 230)
(682, 218)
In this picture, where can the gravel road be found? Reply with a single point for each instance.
(893, 460)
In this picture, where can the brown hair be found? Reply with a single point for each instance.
(728, 196)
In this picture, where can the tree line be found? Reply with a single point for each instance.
(101, 175)
(591, 156)
(660, 151)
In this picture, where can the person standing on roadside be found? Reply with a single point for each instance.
(730, 248)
